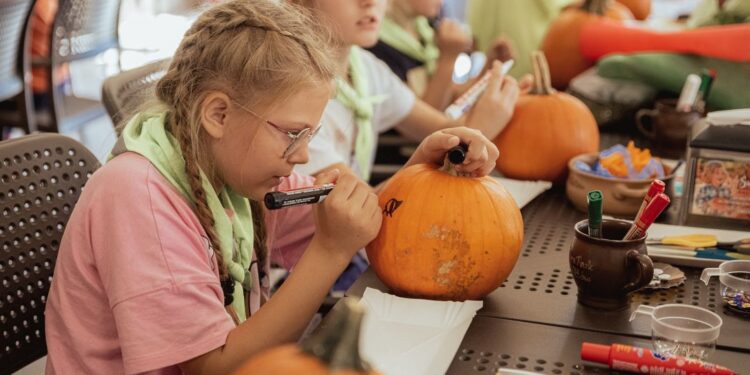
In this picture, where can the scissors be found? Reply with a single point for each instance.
(702, 241)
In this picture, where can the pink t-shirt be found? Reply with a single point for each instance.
(136, 288)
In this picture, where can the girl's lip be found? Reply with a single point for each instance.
(368, 21)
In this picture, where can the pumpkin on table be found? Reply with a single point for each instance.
(333, 350)
(561, 45)
(548, 128)
(445, 236)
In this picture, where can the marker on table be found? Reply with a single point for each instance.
(280, 199)
(689, 93)
(642, 360)
(652, 211)
(594, 200)
(657, 187)
(465, 101)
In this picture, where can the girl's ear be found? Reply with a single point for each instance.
(214, 113)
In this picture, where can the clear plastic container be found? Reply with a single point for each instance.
(735, 284)
(682, 330)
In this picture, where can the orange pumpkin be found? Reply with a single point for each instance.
(561, 44)
(333, 350)
(641, 9)
(547, 129)
(445, 236)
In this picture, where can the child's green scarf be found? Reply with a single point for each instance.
(424, 50)
(147, 135)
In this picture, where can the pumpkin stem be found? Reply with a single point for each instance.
(453, 157)
(542, 79)
(337, 341)
(595, 6)
(448, 167)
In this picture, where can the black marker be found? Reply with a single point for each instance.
(457, 154)
(280, 199)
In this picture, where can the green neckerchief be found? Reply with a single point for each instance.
(356, 98)
(424, 50)
(147, 135)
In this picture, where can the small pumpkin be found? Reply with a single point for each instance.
(445, 236)
(547, 129)
(641, 9)
(561, 42)
(333, 350)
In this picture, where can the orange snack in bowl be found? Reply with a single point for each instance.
(638, 158)
(615, 164)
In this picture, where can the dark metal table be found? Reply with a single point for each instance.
(534, 322)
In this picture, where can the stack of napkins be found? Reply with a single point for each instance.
(413, 336)
(729, 117)
(524, 192)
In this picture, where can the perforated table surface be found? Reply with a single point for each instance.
(535, 313)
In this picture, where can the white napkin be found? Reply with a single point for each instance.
(524, 191)
(413, 336)
(730, 117)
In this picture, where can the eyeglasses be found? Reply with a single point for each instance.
(297, 137)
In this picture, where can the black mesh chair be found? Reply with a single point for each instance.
(125, 92)
(82, 29)
(40, 181)
(14, 61)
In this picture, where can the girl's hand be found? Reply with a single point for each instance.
(526, 83)
(451, 39)
(494, 108)
(349, 218)
(500, 49)
(480, 158)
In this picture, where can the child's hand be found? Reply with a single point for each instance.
(494, 108)
(349, 218)
(500, 49)
(526, 83)
(480, 158)
(452, 39)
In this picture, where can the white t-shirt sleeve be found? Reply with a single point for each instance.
(399, 98)
(335, 141)
(328, 147)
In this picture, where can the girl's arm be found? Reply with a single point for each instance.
(346, 221)
(439, 90)
(451, 41)
(489, 115)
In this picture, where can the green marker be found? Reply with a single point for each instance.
(594, 200)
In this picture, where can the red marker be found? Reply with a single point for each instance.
(657, 187)
(643, 361)
(652, 211)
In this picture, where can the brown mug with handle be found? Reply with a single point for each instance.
(666, 128)
(607, 269)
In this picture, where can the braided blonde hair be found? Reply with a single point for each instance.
(258, 52)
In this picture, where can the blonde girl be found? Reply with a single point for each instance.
(160, 269)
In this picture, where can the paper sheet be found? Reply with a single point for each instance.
(524, 191)
(413, 336)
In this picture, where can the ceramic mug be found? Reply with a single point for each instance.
(606, 269)
(666, 128)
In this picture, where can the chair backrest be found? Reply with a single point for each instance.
(14, 15)
(124, 92)
(84, 28)
(40, 181)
